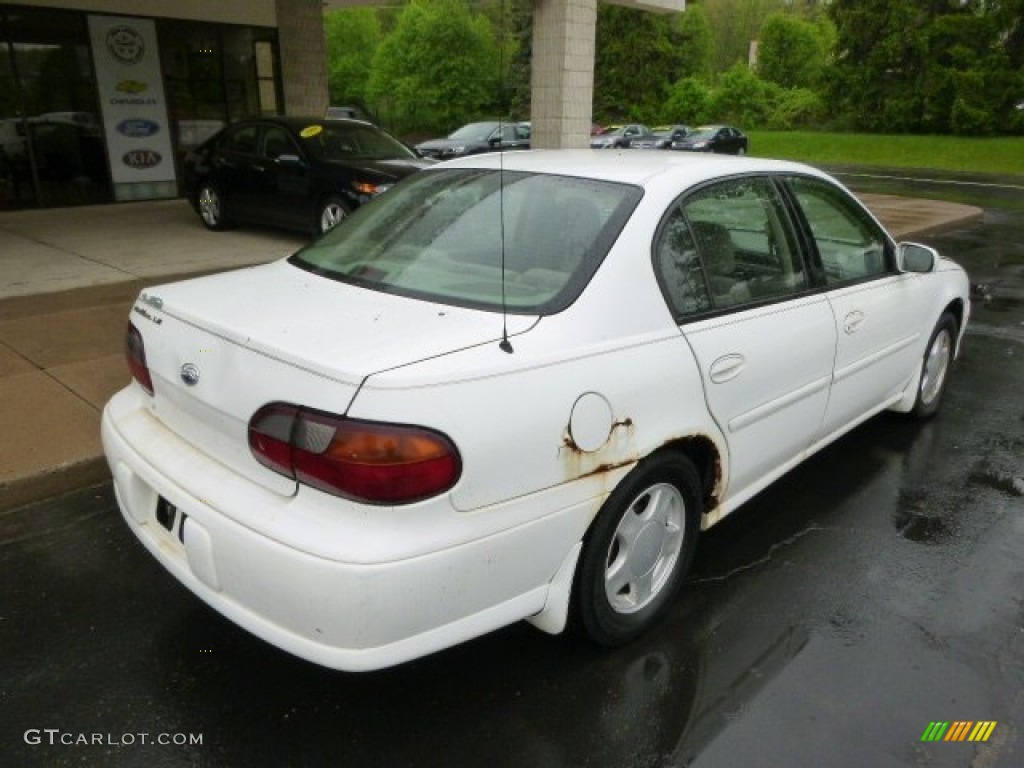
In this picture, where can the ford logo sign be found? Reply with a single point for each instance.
(141, 159)
(190, 374)
(137, 128)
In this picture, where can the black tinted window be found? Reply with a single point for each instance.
(242, 139)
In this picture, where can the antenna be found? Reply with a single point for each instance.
(505, 345)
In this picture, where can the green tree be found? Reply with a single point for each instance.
(694, 43)
(437, 69)
(743, 98)
(637, 55)
(353, 35)
(791, 52)
(688, 102)
(937, 66)
(519, 68)
(734, 24)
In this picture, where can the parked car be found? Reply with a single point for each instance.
(478, 401)
(662, 137)
(474, 138)
(722, 139)
(349, 113)
(304, 173)
(619, 136)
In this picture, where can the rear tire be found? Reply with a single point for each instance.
(938, 357)
(638, 550)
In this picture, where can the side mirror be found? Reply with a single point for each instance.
(914, 257)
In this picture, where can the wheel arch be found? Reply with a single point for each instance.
(957, 309)
(707, 458)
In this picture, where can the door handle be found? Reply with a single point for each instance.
(726, 367)
(853, 321)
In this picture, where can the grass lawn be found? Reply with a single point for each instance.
(951, 153)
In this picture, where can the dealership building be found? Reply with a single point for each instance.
(101, 99)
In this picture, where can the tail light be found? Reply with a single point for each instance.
(135, 352)
(372, 462)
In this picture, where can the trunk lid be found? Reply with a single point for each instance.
(219, 348)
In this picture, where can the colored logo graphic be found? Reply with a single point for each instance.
(137, 128)
(131, 86)
(140, 159)
(959, 730)
(125, 45)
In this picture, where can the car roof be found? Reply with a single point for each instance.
(643, 169)
(298, 123)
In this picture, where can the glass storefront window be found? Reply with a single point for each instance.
(53, 152)
(53, 146)
(214, 74)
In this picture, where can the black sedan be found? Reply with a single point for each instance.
(474, 138)
(302, 173)
(662, 137)
(723, 139)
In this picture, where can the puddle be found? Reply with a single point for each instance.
(916, 521)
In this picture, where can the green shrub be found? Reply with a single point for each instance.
(689, 102)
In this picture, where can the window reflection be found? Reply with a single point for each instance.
(51, 144)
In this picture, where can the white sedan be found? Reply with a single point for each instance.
(514, 387)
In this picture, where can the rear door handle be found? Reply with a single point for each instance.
(726, 367)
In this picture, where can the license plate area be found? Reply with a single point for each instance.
(171, 519)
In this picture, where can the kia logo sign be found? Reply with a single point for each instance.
(137, 128)
(140, 159)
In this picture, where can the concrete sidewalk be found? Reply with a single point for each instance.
(67, 281)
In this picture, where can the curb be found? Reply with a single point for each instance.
(57, 481)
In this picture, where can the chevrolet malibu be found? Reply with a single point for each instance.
(515, 387)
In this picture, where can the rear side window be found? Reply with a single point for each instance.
(851, 246)
(242, 139)
(729, 244)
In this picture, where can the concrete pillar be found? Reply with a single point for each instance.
(562, 79)
(300, 36)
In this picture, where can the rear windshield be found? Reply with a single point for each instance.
(474, 132)
(439, 236)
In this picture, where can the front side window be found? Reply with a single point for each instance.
(728, 244)
(277, 142)
(479, 238)
(851, 246)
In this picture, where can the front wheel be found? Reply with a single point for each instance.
(938, 357)
(638, 550)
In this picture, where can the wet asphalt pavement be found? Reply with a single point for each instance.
(877, 588)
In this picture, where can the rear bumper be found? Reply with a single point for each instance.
(344, 615)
